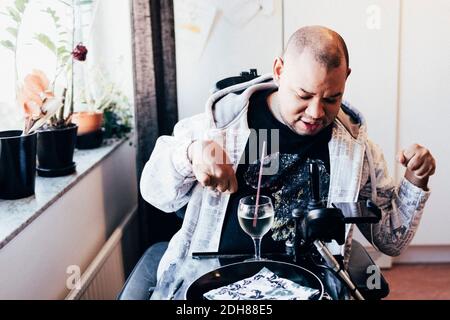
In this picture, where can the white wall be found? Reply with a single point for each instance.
(372, 85)
(110, 43)
(425, 103)
(229, 50)
(399, 55)
(70, 232)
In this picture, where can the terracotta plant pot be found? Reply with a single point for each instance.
(17, 164)
(87, 121)
(90, 131)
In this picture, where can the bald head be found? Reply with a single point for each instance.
(326, 45)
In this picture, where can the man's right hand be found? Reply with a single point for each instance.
(211, 166)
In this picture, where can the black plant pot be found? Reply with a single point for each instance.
(55, 151)
(90, 140)
(17, 164)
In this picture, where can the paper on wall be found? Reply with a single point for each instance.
(240, 12)
(193, 22)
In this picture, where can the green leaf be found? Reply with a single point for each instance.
(64, 59)
(46, 41)
(83, 2)
(61, 51)
(12, 31)
(66, 3)
(53, 15)
(14, 14)
(8, 44)
(20, 5)
(51, 11)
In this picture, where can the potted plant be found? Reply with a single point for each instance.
(91, 135)
(88, 119)
(55, 146)
(88, 116)
(107, 114)
(18, 147)
(117, 115)
(115, 106)
(56, 140)
(90, 131)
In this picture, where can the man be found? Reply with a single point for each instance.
(302, 104)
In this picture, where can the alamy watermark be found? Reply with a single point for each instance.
(374, 279)
(73, 281)
(233, 143)
(373, 21)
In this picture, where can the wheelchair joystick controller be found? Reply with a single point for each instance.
(320, 224)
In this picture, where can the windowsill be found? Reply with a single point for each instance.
(16, 215)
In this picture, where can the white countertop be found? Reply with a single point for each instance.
(15, 215)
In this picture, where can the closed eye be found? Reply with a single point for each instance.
(330, 101)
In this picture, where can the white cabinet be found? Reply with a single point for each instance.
(425, 104)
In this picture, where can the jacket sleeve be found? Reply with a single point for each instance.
(402, 206)
(167, 178)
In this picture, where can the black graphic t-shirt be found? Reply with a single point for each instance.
(288, 187)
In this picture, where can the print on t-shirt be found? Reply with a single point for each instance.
(289, 188)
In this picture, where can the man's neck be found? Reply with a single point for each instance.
(273, 103)
(274, 107)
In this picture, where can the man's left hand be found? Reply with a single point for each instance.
(419, 164)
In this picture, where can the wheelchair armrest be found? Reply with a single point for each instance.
(142, 280)
(365, 274)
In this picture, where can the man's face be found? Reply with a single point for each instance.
(309, 95)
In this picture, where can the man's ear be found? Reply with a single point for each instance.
(278, 65)
(348, 72)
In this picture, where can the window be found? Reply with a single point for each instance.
(103, 26)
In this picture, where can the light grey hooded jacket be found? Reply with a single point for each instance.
(357, 171)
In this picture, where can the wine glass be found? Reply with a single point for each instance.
(256, 224)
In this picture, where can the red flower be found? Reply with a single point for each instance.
(80, 52)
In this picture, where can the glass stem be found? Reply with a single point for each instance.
(257, 243)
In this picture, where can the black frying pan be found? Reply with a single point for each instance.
(237, 271)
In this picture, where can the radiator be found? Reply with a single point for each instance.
(104, 277)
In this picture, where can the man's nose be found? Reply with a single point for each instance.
(315, 110)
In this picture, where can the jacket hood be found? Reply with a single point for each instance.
(227, 104)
